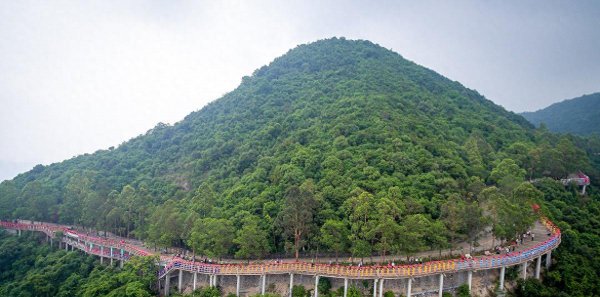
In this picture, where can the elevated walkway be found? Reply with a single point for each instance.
(122, 249)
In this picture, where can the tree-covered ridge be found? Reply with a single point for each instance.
(383, 155)
(579, 115)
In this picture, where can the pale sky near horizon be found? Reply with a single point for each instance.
(78, 76)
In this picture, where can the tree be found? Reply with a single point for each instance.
(212, 237)
(492, 202)
(453, 216)
(39, 201)
(165, 225)
(476, 163)
(127, 198)
(96, 208)
(507, 175)
(476, 221)
(334, 234)
(387, 231)
(251, 240)
(435, 236)
(412, 232)
(76, 191)
(386, 228)
(514, 215)
(204, 200)
(573, 158)
(296, 217)
(8, 198)
(360, 211)
(526, 194)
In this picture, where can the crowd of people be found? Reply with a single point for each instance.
(519, 240)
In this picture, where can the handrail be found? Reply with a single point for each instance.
(397, 271)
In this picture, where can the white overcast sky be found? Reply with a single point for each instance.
(78, 76)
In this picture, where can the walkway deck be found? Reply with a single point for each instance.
(122, 249)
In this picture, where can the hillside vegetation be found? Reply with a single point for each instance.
(33, 269)
(338, 146)
(579, 115)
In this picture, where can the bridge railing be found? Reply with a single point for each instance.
(51, 229)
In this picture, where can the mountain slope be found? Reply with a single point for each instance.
(335, 122)
(579, 115)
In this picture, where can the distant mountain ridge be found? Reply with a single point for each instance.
(579, 115)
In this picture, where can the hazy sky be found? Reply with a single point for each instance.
(80, 76)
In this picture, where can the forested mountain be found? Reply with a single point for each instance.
(579, 115)
(338, 146)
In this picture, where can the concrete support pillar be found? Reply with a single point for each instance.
(167, 282)
(291, 283)
(196, 279)
(502, 270)
(381, 287)
(409, 288)
(50, 241)
(101, 254)
(66, 246)
(524, 269)
(237, 285)
(538, 265)
(317, 286)
(264, 283)
(374, 288)
(548, 259)
(441, 291)
(180, 281)
(111, 256)
(345, 287)
(210, 280)
(469, 279)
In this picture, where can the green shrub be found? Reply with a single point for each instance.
(354, 292)
(324, 286)
(299, 291)
(463, 291)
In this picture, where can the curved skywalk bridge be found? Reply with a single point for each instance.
(122, 249)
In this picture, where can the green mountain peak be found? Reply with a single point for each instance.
(333, 123)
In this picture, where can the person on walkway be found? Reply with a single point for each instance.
(532, 236)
